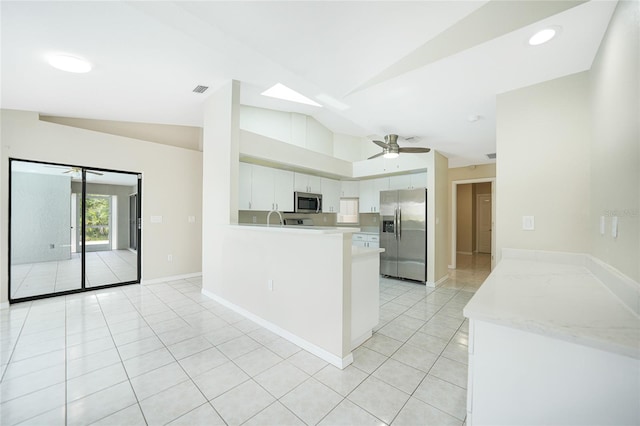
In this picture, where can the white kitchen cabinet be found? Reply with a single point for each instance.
(269, 188)
(408, 181)
(330, 195)
(307, 183)
(283, 190)
(370, 194)
(349, 188)
(244, 186)
(366, 240)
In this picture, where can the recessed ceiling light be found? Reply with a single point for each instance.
(543, 36)
(280, 91)
(69, 63)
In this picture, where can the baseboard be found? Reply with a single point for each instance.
(437, 283)
(296, 340)
(171, 278)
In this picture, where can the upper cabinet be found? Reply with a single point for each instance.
(330, 195)
(264, 188)
(349, 188)
(370, 194)
(244, 187)
(408, 181)
(307, 183)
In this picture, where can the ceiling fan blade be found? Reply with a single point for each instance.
(415, 150)
(68, 171)
(95, 173)
(381, 144)
(375, 156)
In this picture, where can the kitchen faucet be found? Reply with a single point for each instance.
(269, 216)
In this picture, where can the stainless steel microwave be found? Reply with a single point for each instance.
(305, 202)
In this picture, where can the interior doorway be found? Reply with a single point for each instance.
(473, 223)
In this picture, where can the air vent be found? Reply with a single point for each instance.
(200, 89)
(491, 156)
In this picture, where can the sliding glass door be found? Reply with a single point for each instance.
(70, 229)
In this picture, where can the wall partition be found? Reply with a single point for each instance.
(71, 229)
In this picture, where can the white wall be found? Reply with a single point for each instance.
(311, 298)
(543, 138)
(346, 147)
(441, 170)
(172, 182)
(615, 149)
(569, 154)
(290, 127)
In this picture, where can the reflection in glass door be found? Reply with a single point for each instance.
(107, 231)
(41, 261)
(69, 229)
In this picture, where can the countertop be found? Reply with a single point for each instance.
(357, 251)
(564, 301)
(297, 229)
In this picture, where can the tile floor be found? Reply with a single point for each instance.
(103, 267)
(166, 354)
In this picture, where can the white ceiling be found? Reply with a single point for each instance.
(415, 68)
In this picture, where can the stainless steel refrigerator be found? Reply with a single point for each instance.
(403, 234)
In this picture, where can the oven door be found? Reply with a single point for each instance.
(307, 203)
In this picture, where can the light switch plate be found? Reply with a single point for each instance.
(528, 223)
(614, 226)
(156, 219)
(601, 225)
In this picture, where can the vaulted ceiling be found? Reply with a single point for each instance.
(419, 68)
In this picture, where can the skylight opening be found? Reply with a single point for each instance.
(280, 91)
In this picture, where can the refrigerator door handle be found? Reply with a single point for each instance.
(399, 222)
(395, 224)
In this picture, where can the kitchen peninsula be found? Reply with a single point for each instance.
(306, 284)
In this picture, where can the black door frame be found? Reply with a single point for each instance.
(83, 287)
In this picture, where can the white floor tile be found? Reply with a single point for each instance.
(172, 403)
(311, 401)
(242, 402)
(204, 336)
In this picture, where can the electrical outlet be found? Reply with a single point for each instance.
(192, 219)
(255, 219)
(270, 285)
(170, 258)
(528, 223)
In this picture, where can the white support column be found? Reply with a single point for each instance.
(220, 140)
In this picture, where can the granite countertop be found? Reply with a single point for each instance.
(564, 301)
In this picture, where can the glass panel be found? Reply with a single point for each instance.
(42, 256)
(109, 257)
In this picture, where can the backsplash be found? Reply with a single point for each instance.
(369, 222)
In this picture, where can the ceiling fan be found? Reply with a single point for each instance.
(391, 149)
(75, 170)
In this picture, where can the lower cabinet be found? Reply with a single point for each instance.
(366, 240)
